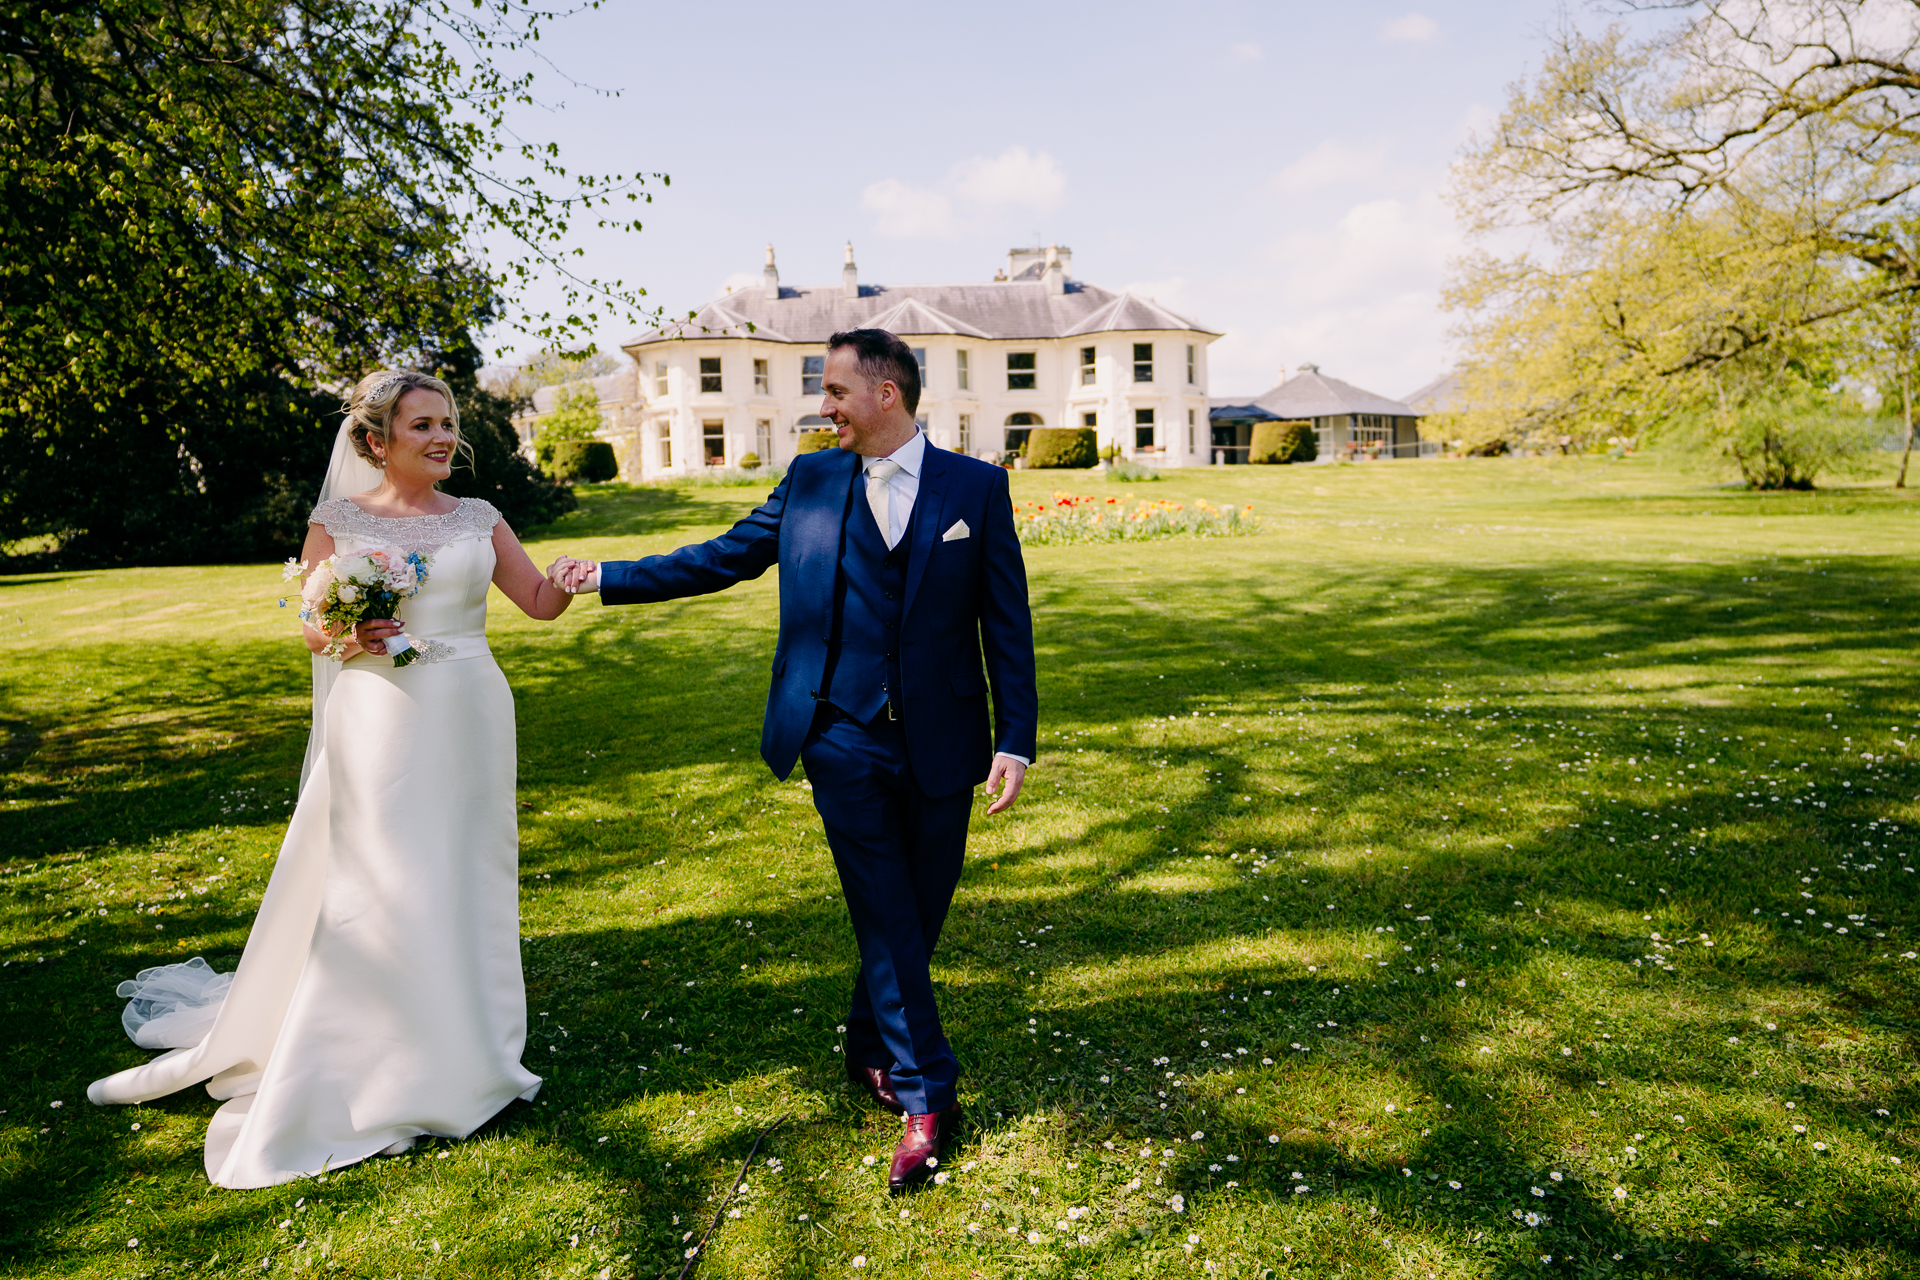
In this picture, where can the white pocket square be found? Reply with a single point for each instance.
(956, 533)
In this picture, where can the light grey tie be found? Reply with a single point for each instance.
(879, 497)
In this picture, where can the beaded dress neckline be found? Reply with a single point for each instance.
(472, 518)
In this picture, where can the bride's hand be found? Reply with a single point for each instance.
(372, 634)
(570, 575)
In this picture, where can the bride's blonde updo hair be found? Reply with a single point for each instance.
(370, 406)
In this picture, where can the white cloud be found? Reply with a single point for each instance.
(1360, 298)
(1247, 51)
(1412, 28)
(972, 192)
(911, 213)
(1331, 163)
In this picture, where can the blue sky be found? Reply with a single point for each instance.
(1275, 171)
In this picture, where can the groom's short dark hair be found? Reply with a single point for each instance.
(883, 358)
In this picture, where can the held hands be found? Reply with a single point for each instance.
(574, 576)
(1007, 774)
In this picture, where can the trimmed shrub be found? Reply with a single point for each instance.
(815, 441)
(1059, 447)
(1283, 442)
(589, 460)
(750, 462)
(1124, 471)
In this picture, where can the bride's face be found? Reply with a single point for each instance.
(420, 441)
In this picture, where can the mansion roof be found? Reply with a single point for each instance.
(1313, 394)
(1009, 310)
(1438, 396)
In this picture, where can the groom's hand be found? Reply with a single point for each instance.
(1007, 774)
(573, 576)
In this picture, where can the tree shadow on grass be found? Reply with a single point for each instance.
(1104, 654)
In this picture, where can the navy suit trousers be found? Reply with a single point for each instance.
(898, 852)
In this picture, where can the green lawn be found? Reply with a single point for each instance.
(1486, 839)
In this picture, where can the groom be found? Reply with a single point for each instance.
(903, 602)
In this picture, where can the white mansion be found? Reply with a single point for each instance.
(1031, 348)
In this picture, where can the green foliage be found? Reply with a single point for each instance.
(225, 474)
(575, 418)
(1062, 447)
(751, 462)
(1779, 435)
(1703, 224)
(1283, 442)
(1109, 452)
(210, 209)
(589, 460)
(814, 441)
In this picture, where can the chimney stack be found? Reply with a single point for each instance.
(1054, 276)
(849, 276)
(772, 287)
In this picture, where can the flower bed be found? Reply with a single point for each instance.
(1075, 517)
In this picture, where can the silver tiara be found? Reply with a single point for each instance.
(387, 383)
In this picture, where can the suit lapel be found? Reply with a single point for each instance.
(926, 521)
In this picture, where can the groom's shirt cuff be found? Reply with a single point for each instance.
(1024, 762)
(592, 583)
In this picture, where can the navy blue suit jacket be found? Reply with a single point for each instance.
(965, 628)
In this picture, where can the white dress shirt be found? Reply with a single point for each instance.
(902, 489)
(904, 486)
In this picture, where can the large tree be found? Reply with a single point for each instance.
(1706, 208)
(210, 208)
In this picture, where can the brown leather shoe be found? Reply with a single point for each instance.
(917, 1157)
(874, 1083)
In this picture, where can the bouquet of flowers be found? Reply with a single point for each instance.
(348, 588)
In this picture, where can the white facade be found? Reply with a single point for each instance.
(711, 391)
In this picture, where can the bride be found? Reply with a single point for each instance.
(380, 996)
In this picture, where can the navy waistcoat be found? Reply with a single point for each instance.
(863, 654)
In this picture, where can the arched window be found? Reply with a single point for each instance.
(1019, 426)
(812, 422)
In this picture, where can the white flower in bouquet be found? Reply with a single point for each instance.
(347, 594)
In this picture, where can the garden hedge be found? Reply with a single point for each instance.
(589, 460)
(1283, 442)
(1059, 447)
(815, 441)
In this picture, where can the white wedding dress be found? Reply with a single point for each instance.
(380, 994)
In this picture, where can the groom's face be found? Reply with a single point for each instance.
(857, 407)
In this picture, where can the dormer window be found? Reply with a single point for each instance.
(1021, 375)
